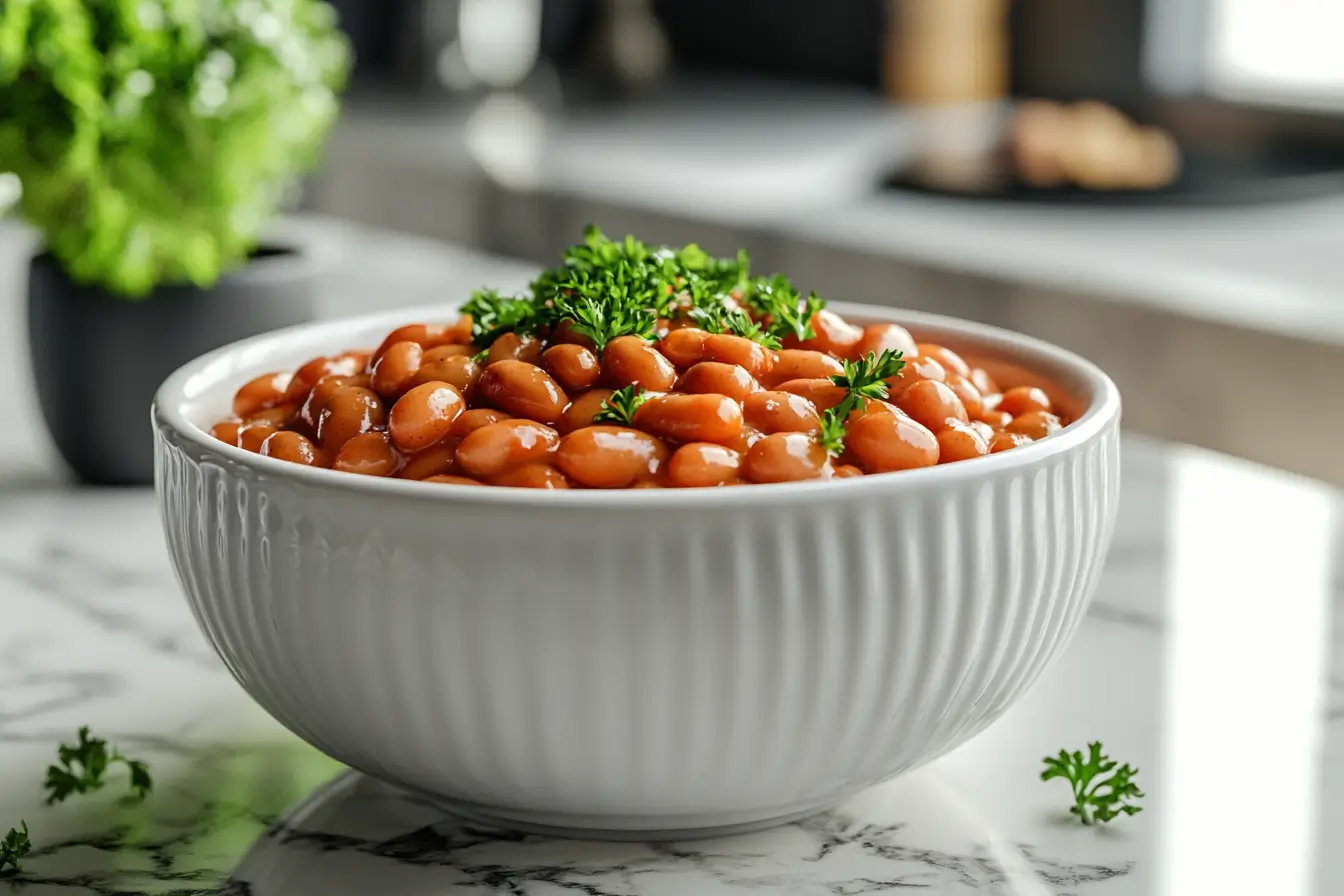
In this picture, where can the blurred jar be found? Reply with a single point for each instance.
(947, 60)
(500, 39)
(631, 54)
(466, 45)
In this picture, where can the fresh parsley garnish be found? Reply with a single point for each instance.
(793, 317)
(866, 378)
(759, 292)
(862, 379)
(716, 317)
(14, 847)
(694, 259)
(775, 299)
(720, 275)
(620, 406)
(1101, 791)
(628, 269)
(831, 435)
(624, 283)
(741, 324)
(597, 251)
(604, 321)
(493, 315)
(83, 768)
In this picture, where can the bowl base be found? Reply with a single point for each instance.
(626, 828)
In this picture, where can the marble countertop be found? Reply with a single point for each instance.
(1213, 659)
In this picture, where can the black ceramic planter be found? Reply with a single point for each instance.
(98, 358)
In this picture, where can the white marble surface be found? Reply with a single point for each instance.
(1213, 659)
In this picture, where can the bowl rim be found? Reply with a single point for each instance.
(1102, 413)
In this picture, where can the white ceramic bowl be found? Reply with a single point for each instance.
(647, 663)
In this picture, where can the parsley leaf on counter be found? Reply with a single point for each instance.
(620, 407)
(83, 768)
(14, 847)
(1103, 800)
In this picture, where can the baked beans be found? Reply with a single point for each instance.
(608, 377)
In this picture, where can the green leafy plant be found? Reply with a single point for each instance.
(154, 139)
(83, 768)
(1101, 791)
(14, 847)
(620, 406)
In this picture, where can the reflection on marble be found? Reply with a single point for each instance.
(95, 632)
(855, 849)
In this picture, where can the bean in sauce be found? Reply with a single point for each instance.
(610, 456)
(524, 390)
(720, 378)
(349, 411)
(499, 447)
(424, 415)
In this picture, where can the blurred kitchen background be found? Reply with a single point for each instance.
(870, 148)
(1158, 185)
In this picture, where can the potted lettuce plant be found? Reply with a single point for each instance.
(155, 141)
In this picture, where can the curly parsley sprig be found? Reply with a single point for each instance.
(793, 317)
(629, 269)
(13, 848)
(83, 767)
(716, 317)
(1101, 791)
(775, 299)
(866, 378)
(719, 275)
(604, 321)
(831, 434)
(760, 292)
(862, 380)
(619, 408)
(597, 251)
(493, 315)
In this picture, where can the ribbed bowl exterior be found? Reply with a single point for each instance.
(672, 660)
(668, 667)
